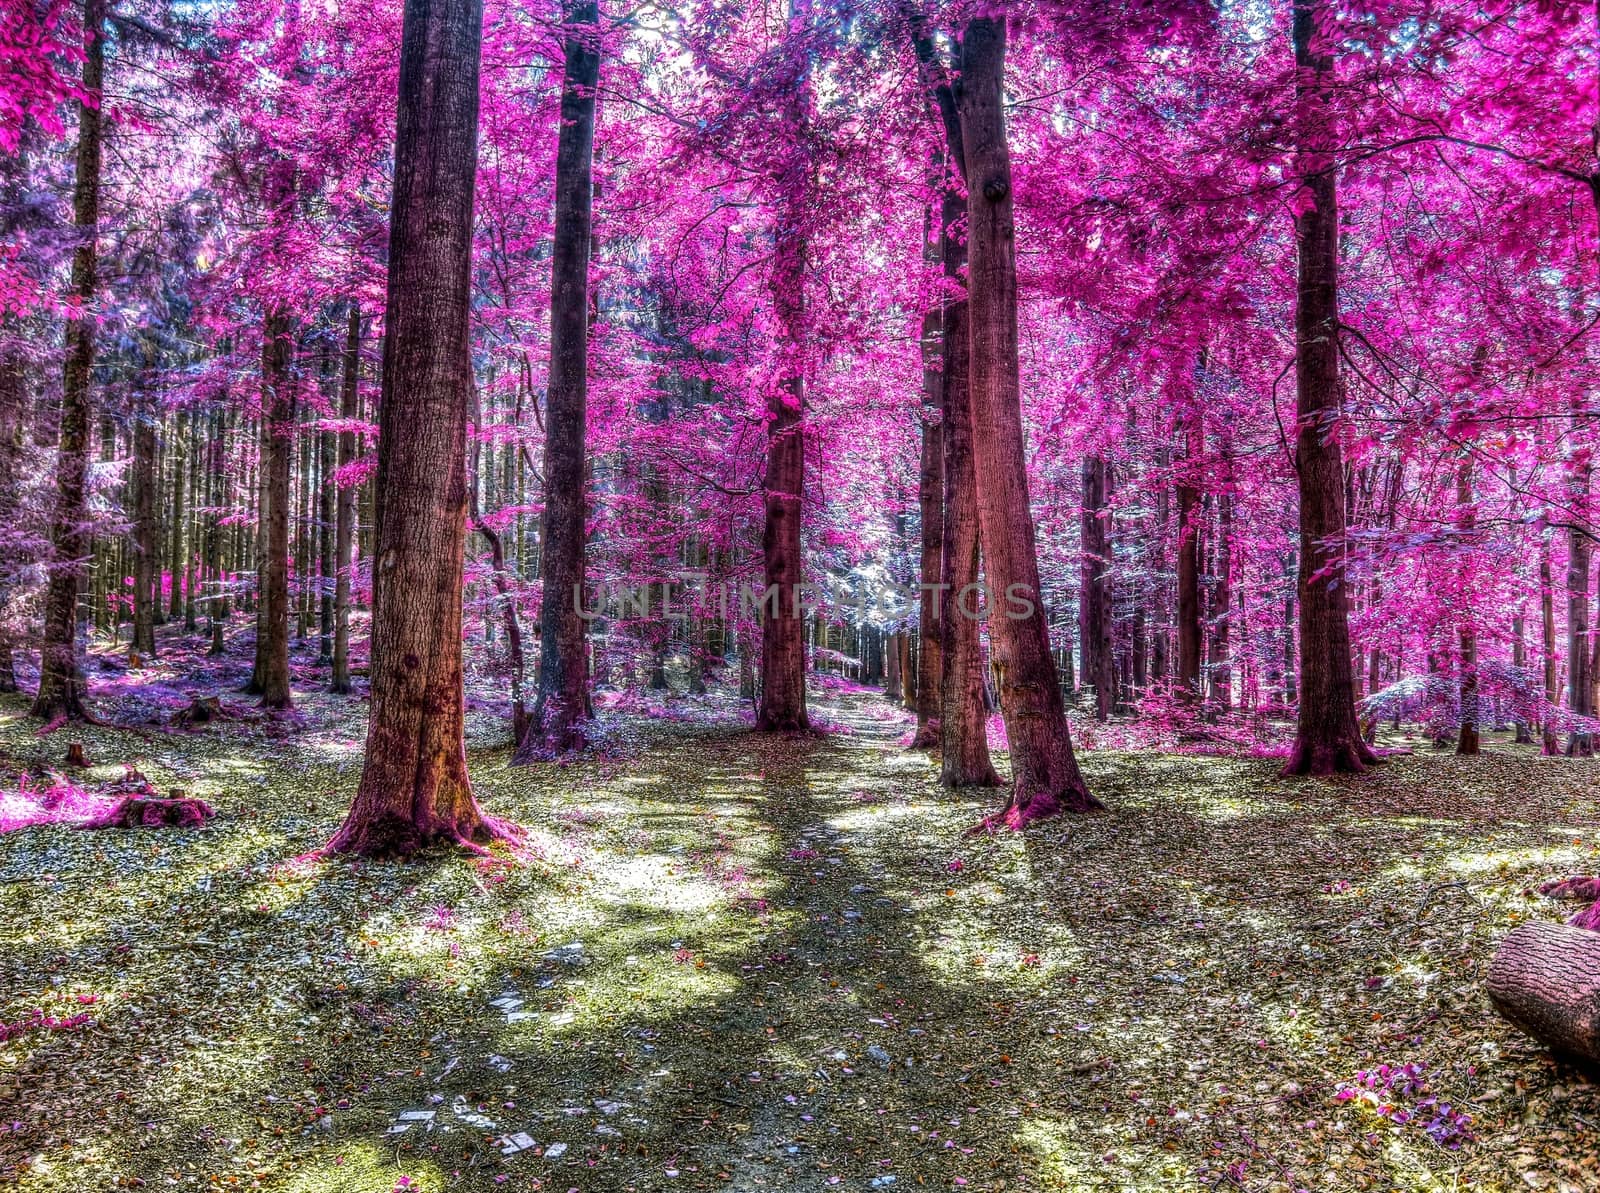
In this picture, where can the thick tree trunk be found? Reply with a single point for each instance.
(1327, 737)
(783, 660)
(62, 687)
(561, 709)
(964, 716)
(1545, 979)
(270, 676)
(891, 669)
(1094, 589)
(345, 505)
(1045, 777)
(414, 789)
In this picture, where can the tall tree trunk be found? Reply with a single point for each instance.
(783, 658)
(345, 505)
(561, 709)
(13, 430)
(964, 715)
(1222, 607)
(146, 588)
(891, 669)
(327, 499)
(1327, 737)
(1045, 777)
(414, 789)
(1189, 518)
(270, 676)
(930, 498)
(1580, 742)
(62, 687)
(176, 553)
(1547, 640)
(1094, 588)
(1466, 520)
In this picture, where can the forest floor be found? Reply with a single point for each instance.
(736, 962)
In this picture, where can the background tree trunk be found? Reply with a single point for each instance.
(930, 499)
(62, 687)
(414, 789)
(561, 708)
(1547, 625)
(270, 677)
(1467, 740)
(345, 506)
(1094, 591)
(1327, 737)
(1189, 518)
(1045, 777)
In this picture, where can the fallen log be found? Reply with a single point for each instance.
(1545, 979)
(153, 812)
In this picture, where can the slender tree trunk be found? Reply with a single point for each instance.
(891, 668)
(930, 499)
(62, 687)
(1222, 607)
(414, 788)
(1327, 737)
(1189, 518)
(1045, 777)
(561, 709)
(1580, 742)
(13, 431)
(1547, 626)
(1094, 588)
(345, 505)
(1466, 518)
(146, 589)
(327, 498)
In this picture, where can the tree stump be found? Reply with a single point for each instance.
(201, 711)
(154, 812)
(1545, 979)
(75, 755)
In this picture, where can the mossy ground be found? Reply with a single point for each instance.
(795, 972)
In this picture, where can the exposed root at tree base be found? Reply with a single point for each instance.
(395, 838)
(1019, 814)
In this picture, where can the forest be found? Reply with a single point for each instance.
(799, 594)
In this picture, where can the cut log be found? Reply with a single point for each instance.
(1545, 979)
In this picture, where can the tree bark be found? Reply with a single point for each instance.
(1467, 740)
(1094, 589)
(1045, 776)
(270, 676)
(175, 551)
(62, 686)
(345, 505)
(964, 717)
(1327, 737)
(13, 427)
(1189, 517)
(1545, 979)
(1580, 699)
(930, 499)
(1548, 744)
(146, 587)
(414, 788)
(783, 659)
(561, 709)
(1222, 607)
